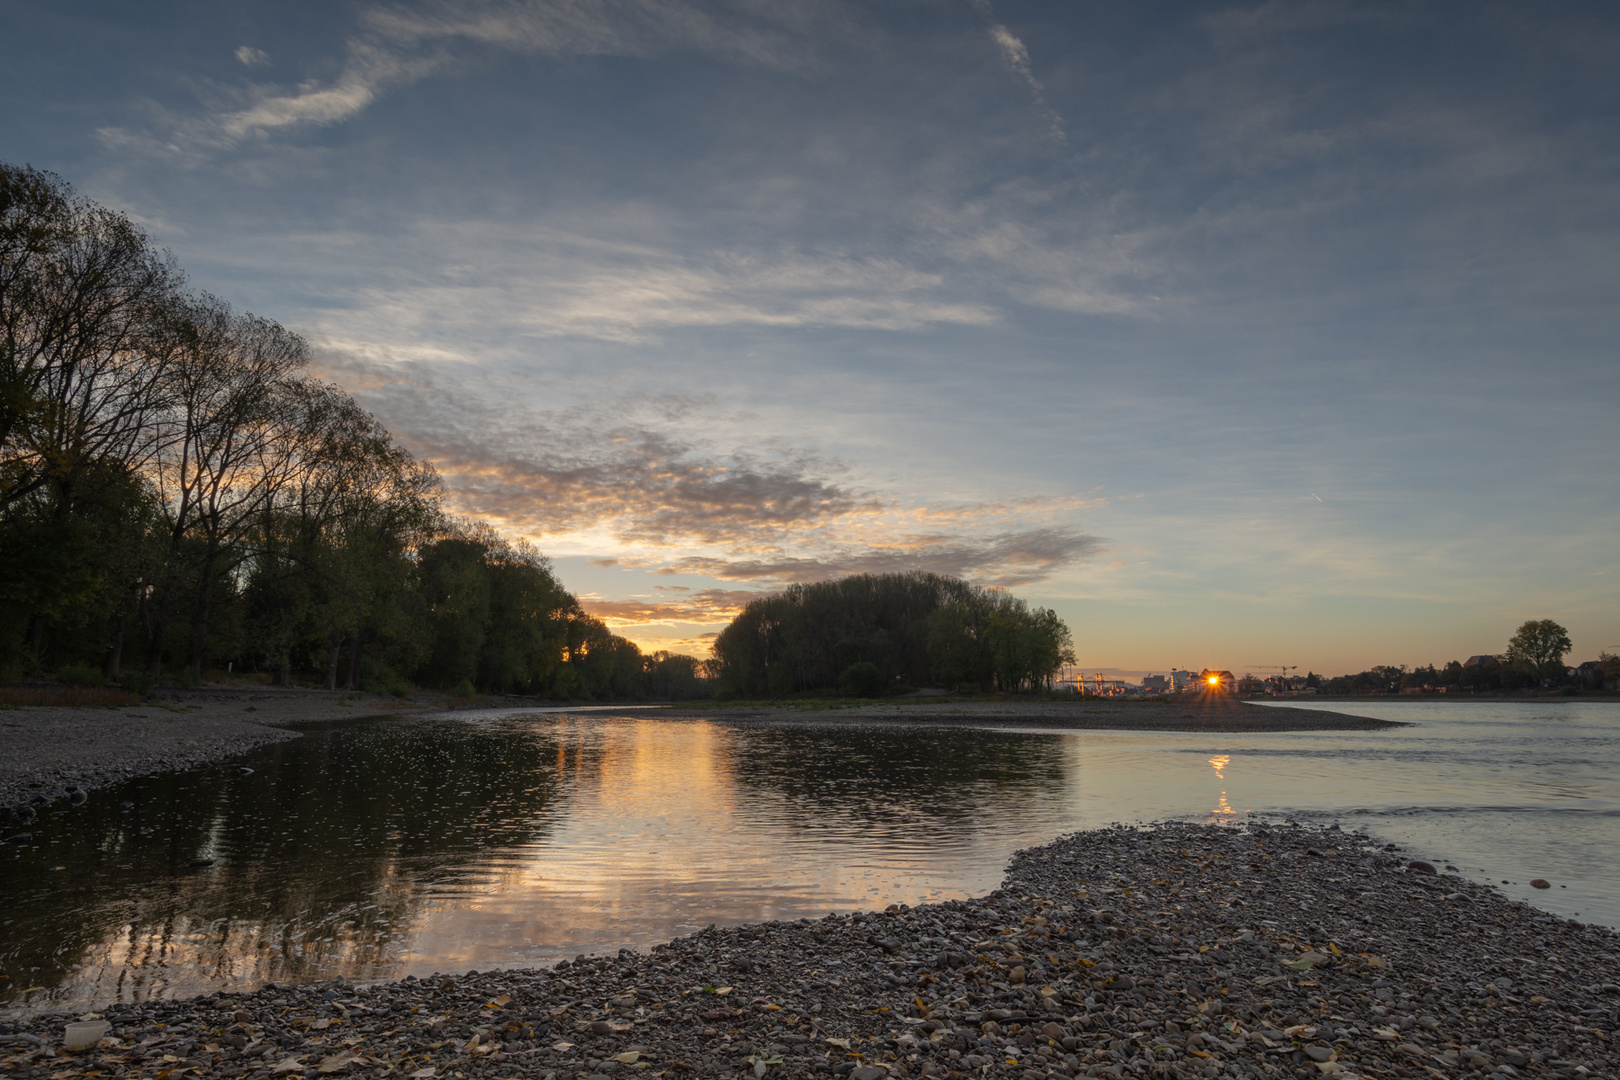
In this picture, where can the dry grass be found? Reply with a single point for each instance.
(73, 697)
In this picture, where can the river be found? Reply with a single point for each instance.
(410, 845)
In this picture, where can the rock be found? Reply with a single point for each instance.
(77, 796)
(868, 1072)
(20, 838)
(1421, 867)
(1540, 883)
(1017, 975)
(1319, 1053)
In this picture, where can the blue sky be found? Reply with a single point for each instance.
(1244, 334)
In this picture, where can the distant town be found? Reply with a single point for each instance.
(1482, 673)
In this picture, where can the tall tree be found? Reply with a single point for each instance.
(237, 432)
(1540, 645)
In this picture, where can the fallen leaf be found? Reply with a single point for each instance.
(288, 1065)
(629, 1057)
(423, 1074)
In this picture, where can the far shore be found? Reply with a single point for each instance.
(1223, 714)
(47, 751)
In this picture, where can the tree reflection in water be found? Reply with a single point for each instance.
(370, 849)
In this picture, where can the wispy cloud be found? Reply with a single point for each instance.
(396, 45)
(1010, 559)
(626, 480)
(1016, 55)
(673, 604)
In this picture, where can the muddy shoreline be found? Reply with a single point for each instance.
(1171, 952)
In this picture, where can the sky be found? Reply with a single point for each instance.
(1240, 334)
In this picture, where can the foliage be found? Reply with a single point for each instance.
(79, 675)
(861, 679)
(1534, 659)
(173, 482)
(1540, 646)
(914, 629)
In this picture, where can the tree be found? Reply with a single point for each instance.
(911, 628)
(1540, 645)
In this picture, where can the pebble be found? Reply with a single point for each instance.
(1171, 952)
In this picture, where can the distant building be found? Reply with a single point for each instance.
(1156, 684)
(1180, 680)
(1478, 661)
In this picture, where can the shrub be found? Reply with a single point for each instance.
(464, 689)
(79, 675)
(140, 682)
(861, 680)
(382, 679)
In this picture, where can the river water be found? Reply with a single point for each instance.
(399, 846)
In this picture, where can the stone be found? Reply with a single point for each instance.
(867, 1072)
(1540, 883)
(1421, 867)
(1319, 1053)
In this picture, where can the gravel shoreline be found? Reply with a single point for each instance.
(1173, 951)
(46, 752)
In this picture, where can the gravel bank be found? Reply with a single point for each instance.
(1197, 714)
(45, 752)
(1182, 951)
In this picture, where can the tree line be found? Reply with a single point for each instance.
(1534, 659)
(868, 634)
(177, 493)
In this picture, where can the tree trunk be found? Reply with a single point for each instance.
(199, 633)
(111, 669)
(354, 661)
(331, 664)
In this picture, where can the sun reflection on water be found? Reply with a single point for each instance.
(1222, 807)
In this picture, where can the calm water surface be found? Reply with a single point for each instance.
(411, 845)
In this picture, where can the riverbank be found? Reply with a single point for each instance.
(1180, 951)
(1205, 713)
(47, 751)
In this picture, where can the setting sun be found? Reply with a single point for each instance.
(1214, 680)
